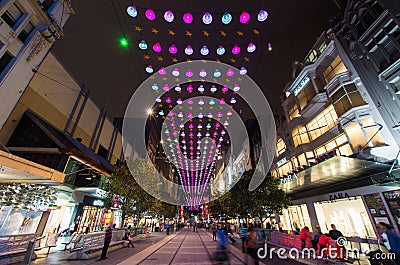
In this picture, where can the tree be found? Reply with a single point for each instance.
(239, 201)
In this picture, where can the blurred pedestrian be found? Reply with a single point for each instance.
(214, 231)
(393, 239)
(107, 240)
(251, 245)
(243, 235)
(304, 236)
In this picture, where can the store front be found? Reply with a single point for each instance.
(295, 217)
(349, 215)
(90, 215)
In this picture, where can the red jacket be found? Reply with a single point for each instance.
(324, 240)
(304, 234)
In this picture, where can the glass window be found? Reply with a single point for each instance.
(4, 61)
(12, 15)
(346, 98)
(302, 160)
(336, 67)
(280, 147)
(322, 47)
(293, 112)
(322, 123)
(306, 95)
(26, 31)
(345, 150)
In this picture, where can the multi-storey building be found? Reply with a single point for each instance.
(341, 138)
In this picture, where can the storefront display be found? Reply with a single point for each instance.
(21, 222)
(349, 215)
(393, 200)
(90, 215)
(376, 208)
(295, 217)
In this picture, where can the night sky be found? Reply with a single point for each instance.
(91, 50)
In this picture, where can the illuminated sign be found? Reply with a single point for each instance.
(99, 203)
(301, 85)
(289, 178)
(280, 162)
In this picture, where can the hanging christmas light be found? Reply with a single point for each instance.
(201, 89)
(212, 102)
(226, 18)
(158, 99)
(204, 50)
(157, 47)
(155, 87)
(189, 50)
(236, 49)
(243, 71)
(172, 49)
(187, 18)
(269, 47)
(162, 71)
(166, 87)
(203, 73)
(179, 101)
(150, 14)
(169, 16)
(189, 88)
(132, 11)
(213, 89)
(230, 72)
(262, 15)
(189, 73)
(224, 89)
(222, 101)
(149, 69)
(220, 50)
(178, 88)
(175, 73)
(217, 73)
(143, 45)
(168, 100)
(236, 88)
(244, 17)
(251, 47)
(233, 100)
(207, 18)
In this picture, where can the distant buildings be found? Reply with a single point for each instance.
(341, 135)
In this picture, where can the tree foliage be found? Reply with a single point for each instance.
(261, 202)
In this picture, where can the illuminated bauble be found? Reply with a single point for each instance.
(207, 18)
(226, 123)
(142, 45)
(262, 15)
(236, 49)
(169, 16)
(226, 18)
(225, 88)
(172, 49)
(213, 89)
(175, 72)
(158, 100)
(236, 88)
(161, 112)
(132, 11)
(180, 115)
(189, 73)
(162, 71)
(220, 50)
(269, 47)
(149, 69)
(251, 47)
(222, 101)
(217, 73)
(155, 87)
(179, 101)
(244, 17)
(204, 50)
(210, 115)
(189, 50)
(233, 100)
(203, 73)
(150, 14)
(229, 113)
(189, 89)
(200, 116)
(201, 88)
(201, 102)
(230, 72)
(187, 18)
(157, 47)
(212, 102)
(178, 88)
(190, 115)
(168, 100)
(190, 102)
(243, 71)
(171, 114)
(219, 115)
(166, 87)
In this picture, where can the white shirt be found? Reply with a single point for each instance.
(386, 240)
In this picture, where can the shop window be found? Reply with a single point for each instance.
(320, 151)
(345, 150)
(373, 131)
(102, 151)
(280, 147)
(302, 160)
(300, 135)
(5, 61)
(335, 68)
(293, 112)
(356, 135)
(310, 154)
(322, 123)
(312, 56)
(322, 47)
(346, 98)
(26, 31)
(295, 162)
(295, 217)
(320, 85)
(12, 15)
(306, 95)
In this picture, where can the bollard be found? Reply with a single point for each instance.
(29, 252)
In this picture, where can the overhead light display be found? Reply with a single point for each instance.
(217, 73)
(230, 72)
(143, 45)
(226, 18)
(157, 47)
(188, 18)
(236, 49)
(149, 69)
(262, 15)
(204, 50)
(172, 49)
(189, 73)
(236, 88)
(220, 50)
(243, 71)
(207, 18)
(162, 71)
(169, 16)
(155, 87)
(150, 14)
(123, 42)
(131, 10)
(244, 17)
(175, 72)
(203, 73)
(189, 50)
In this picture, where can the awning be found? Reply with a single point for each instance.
(332, 175)
(14, 169)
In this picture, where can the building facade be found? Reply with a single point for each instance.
(337, 155)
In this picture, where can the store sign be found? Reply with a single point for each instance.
(301, 85)
(392, 196)
(339, 195)
(280, 162)
(98, 203)
(289, 178)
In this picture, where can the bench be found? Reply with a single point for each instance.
(14, 247)
(95, 241)
(72, 241)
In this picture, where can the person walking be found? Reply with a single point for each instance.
(243, 235)
(167, 226)
(251, 245)
(393, 239)
(107, 240)
(335, 234)
(214, 232)
(304, 235)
